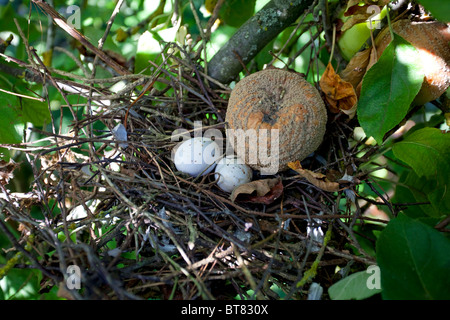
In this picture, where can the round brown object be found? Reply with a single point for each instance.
(431, 39)
(275, 99)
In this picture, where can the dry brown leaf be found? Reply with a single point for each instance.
(355, 19)
(360, 13)
(317, 179)
(63, 292)
(259, 191)
(340, 94)
(356, 68)
(351, 4)
(6, 171)
(354, 7)
(372, 60)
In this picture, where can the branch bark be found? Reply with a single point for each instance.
(253, 36)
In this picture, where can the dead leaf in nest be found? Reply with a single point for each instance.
(340, 94)
(63, 292)
(263, 191)
(6, 171)
(317, 179)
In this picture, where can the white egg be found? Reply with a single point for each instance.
(232, 172)
(196, 155)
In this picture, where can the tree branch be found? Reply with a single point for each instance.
(253, 36)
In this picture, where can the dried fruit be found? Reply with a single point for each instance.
(275, 102)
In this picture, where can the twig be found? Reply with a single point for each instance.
(61, 22)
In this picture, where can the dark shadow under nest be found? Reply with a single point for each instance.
(137, 229)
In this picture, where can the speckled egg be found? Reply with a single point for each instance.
(196, 156)
(232, 172)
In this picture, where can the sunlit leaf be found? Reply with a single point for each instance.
(389, 87)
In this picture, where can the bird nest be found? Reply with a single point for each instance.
(109, 217)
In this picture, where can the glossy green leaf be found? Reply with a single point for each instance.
(412, 189)
(427, 152)
(389, 87)
(357, 286)
(439, 9)
(11, 126)
(414, 261)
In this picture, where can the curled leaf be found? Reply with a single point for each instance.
(6, 171)
(356, 68)
(317, 179)
(360, 13)
(354, 19)
(263, 191)
(340, 94)
(354, 7)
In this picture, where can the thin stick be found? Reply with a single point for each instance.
(23, 96)
(61, 22)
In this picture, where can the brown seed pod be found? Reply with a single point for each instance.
(431, 39)
(275, 99)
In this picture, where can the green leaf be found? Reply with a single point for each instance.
(20, 284)
(16, 112)
(148, 48)
(389, 87)
(357, 286)
(414, 260)
(427, 152)
(35, 112)
(439, 9)
(235, 12)
(11, 126)
(410, 189)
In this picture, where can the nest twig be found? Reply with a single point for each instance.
(137, 229)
